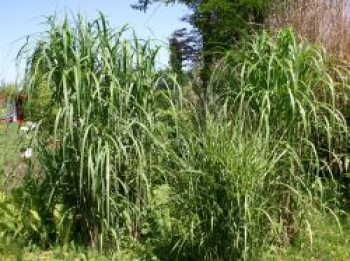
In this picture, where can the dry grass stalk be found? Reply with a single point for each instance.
(323, 22)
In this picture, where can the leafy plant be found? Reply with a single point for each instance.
(291, 91)
(99, 150)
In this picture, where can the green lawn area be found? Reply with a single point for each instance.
(10, 152)
(8, 144)
(329, 242)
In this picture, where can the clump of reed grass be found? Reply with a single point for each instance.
(290, 89)
(229, 197)
(99, 149)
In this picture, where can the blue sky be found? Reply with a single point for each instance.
(19, 18)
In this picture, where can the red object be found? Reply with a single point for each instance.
(19, 108)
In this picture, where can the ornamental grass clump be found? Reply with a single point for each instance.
(292, 94)
(291, 91)
(97, 142)
(230, 198)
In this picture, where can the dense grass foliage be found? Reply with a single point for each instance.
(293, 92)
(231, 197)
(289, 85)
(99, 151)
(129, 163)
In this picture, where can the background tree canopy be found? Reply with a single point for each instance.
(217, 25)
